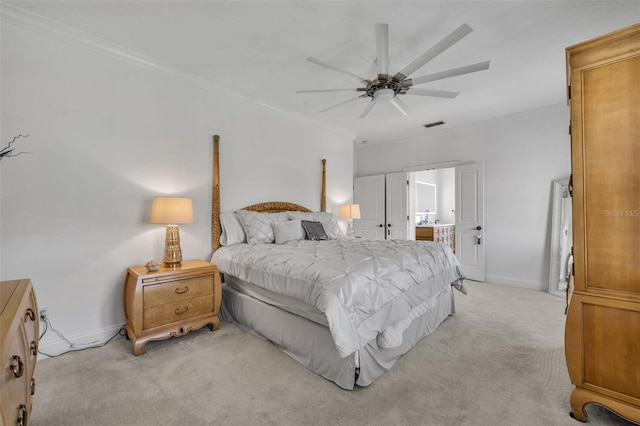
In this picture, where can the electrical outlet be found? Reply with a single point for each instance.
(44, 311)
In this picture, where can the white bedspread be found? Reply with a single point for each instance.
(367, 289)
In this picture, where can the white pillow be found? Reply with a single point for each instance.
(328, 220)
(287, 231)
(257, 225)
(232, 231)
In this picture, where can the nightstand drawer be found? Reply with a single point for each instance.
(175, 291)
(177, 311)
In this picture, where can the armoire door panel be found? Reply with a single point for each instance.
(610, 361)
(611, 135)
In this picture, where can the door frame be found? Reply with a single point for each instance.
(442, 165)
(411, 203)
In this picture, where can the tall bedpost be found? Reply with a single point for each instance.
(323, 199)
(215, 196)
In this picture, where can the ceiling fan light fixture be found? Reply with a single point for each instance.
(390, 88)
(383, 95)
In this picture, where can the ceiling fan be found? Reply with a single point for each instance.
(387, 88)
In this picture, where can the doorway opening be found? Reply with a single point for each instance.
(458, 217)
(432, 197)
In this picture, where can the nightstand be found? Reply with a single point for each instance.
(170, 302)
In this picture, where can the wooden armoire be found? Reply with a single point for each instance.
(602, 334)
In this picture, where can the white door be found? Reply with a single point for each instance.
(470, 220)
(369, 193)
(397, 206)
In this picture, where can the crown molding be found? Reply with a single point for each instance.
(12, 14)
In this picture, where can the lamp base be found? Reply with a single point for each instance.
(172, 250)
(350, 228)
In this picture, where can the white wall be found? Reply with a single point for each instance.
(522, 155)
(106, 137)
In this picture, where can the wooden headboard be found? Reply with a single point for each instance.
(269, 207)
(276, 206)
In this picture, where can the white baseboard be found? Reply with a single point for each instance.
(84, 340)
(514, 282)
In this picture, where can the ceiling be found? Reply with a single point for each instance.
(257, 50)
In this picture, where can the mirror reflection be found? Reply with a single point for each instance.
(561, 237)
(425, 201)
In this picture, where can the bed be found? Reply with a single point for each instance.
(344, 307)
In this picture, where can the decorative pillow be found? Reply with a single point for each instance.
(328, 220)
(287, 231)
(232, 231)
(257, 225)
(314, 230)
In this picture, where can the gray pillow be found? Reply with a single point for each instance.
(328, 220)
(287, 231)
(314, 230)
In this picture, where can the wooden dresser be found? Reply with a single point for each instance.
(170, 302)
(438, 233)
(19, 347)
(602, 333)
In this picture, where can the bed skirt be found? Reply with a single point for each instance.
(311, 344)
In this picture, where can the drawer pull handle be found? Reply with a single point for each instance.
(34, 348)
(17, 369)
(29, 313)
(182, 290)
(22, 416)
(33, 386)
(183, 311)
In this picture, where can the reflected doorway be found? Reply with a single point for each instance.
(432, 196)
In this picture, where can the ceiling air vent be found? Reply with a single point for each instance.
(434, 124)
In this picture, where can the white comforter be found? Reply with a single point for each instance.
(367, 289)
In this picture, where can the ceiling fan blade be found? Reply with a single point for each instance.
(367, 109)
(325, 90)
(446, 74)
(434, 93)
(340, 104)
(401, 106)
(382, 48)
(440, 47)
(331, 67)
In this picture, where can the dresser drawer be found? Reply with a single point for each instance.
(14, 382)
(30, 321)
(424, 233)
(176, 291)
(442, 231)
(177, 311)
(18, 337)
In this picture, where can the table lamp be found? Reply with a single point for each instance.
(349, 212)
(172, 211)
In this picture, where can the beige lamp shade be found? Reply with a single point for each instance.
(349, 211)
(171, 210)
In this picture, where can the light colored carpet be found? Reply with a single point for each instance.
(498, 361)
